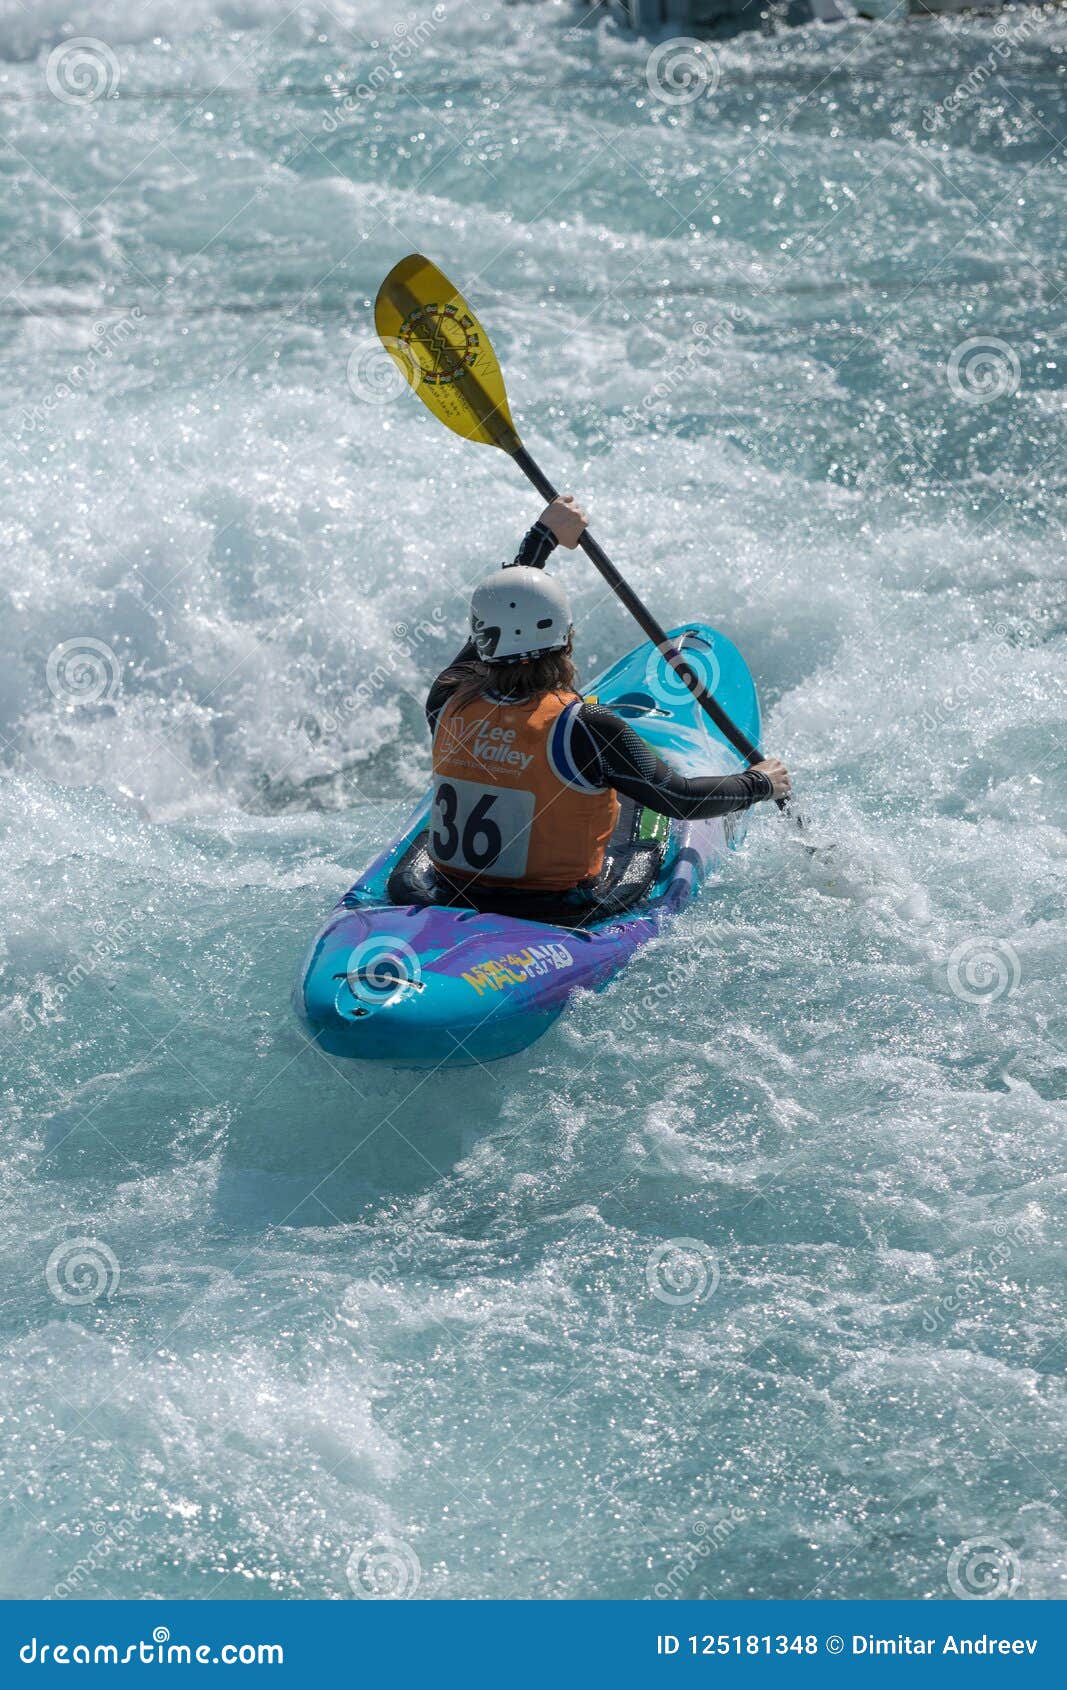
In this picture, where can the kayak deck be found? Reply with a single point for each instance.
(423, 985)
(632, 861)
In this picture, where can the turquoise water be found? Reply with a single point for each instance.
(275, 1327)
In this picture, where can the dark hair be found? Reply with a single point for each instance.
(553, 671)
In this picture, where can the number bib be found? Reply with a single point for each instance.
(481, 829)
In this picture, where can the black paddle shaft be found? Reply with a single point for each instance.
(644, 618)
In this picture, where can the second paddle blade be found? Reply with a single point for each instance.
(444, 353)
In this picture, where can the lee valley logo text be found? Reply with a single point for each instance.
(488, 744)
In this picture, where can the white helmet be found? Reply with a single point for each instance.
(519, 612)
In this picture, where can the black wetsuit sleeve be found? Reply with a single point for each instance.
(608, 752)
(538, 544)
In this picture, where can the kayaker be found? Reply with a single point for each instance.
(526, 774)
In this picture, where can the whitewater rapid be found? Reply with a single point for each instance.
(275, 1326)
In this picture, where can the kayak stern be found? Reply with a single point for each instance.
(432, 987)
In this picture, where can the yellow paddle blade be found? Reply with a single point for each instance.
(444, 353)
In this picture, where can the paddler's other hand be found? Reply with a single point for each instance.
(777, 774)
(566, 519)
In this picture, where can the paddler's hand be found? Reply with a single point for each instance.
(566, 520)
(777, 774)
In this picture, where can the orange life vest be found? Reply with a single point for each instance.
(509, 804)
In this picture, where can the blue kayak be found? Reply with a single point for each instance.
(395, 977)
